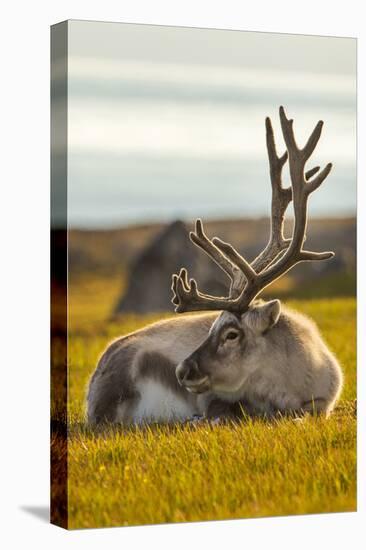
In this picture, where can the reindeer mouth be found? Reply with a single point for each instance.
(197, 386)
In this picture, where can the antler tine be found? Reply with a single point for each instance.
(302, 186)
(200, 239)
(280, 254)
(186, 296)
(237, 268)
(281, 198)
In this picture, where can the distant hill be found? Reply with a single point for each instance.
(148, 254)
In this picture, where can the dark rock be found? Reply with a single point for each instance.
(149, 288)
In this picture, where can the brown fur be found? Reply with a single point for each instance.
(112, 381)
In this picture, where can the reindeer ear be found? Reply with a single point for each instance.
(262, 317)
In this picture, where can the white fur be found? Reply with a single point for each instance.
(157, 403)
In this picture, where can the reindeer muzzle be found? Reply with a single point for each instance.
(190, 377)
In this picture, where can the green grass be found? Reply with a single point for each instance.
(186, 473)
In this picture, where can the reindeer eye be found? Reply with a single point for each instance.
(231, 335)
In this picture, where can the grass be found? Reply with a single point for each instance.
(188, 473)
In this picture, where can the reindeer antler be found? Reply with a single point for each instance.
(280, 200)
(280, 254)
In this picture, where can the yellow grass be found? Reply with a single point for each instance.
(186, 473)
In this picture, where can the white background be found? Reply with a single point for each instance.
(24, 130)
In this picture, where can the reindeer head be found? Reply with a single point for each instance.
(241, 332)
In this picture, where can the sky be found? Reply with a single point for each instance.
(168, 122)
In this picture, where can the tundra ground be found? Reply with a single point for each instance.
(191, 473)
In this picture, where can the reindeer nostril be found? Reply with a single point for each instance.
(185, 375)
(180, 373)
(187, 371)
(191, 370)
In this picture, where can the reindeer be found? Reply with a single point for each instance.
(242, 354)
